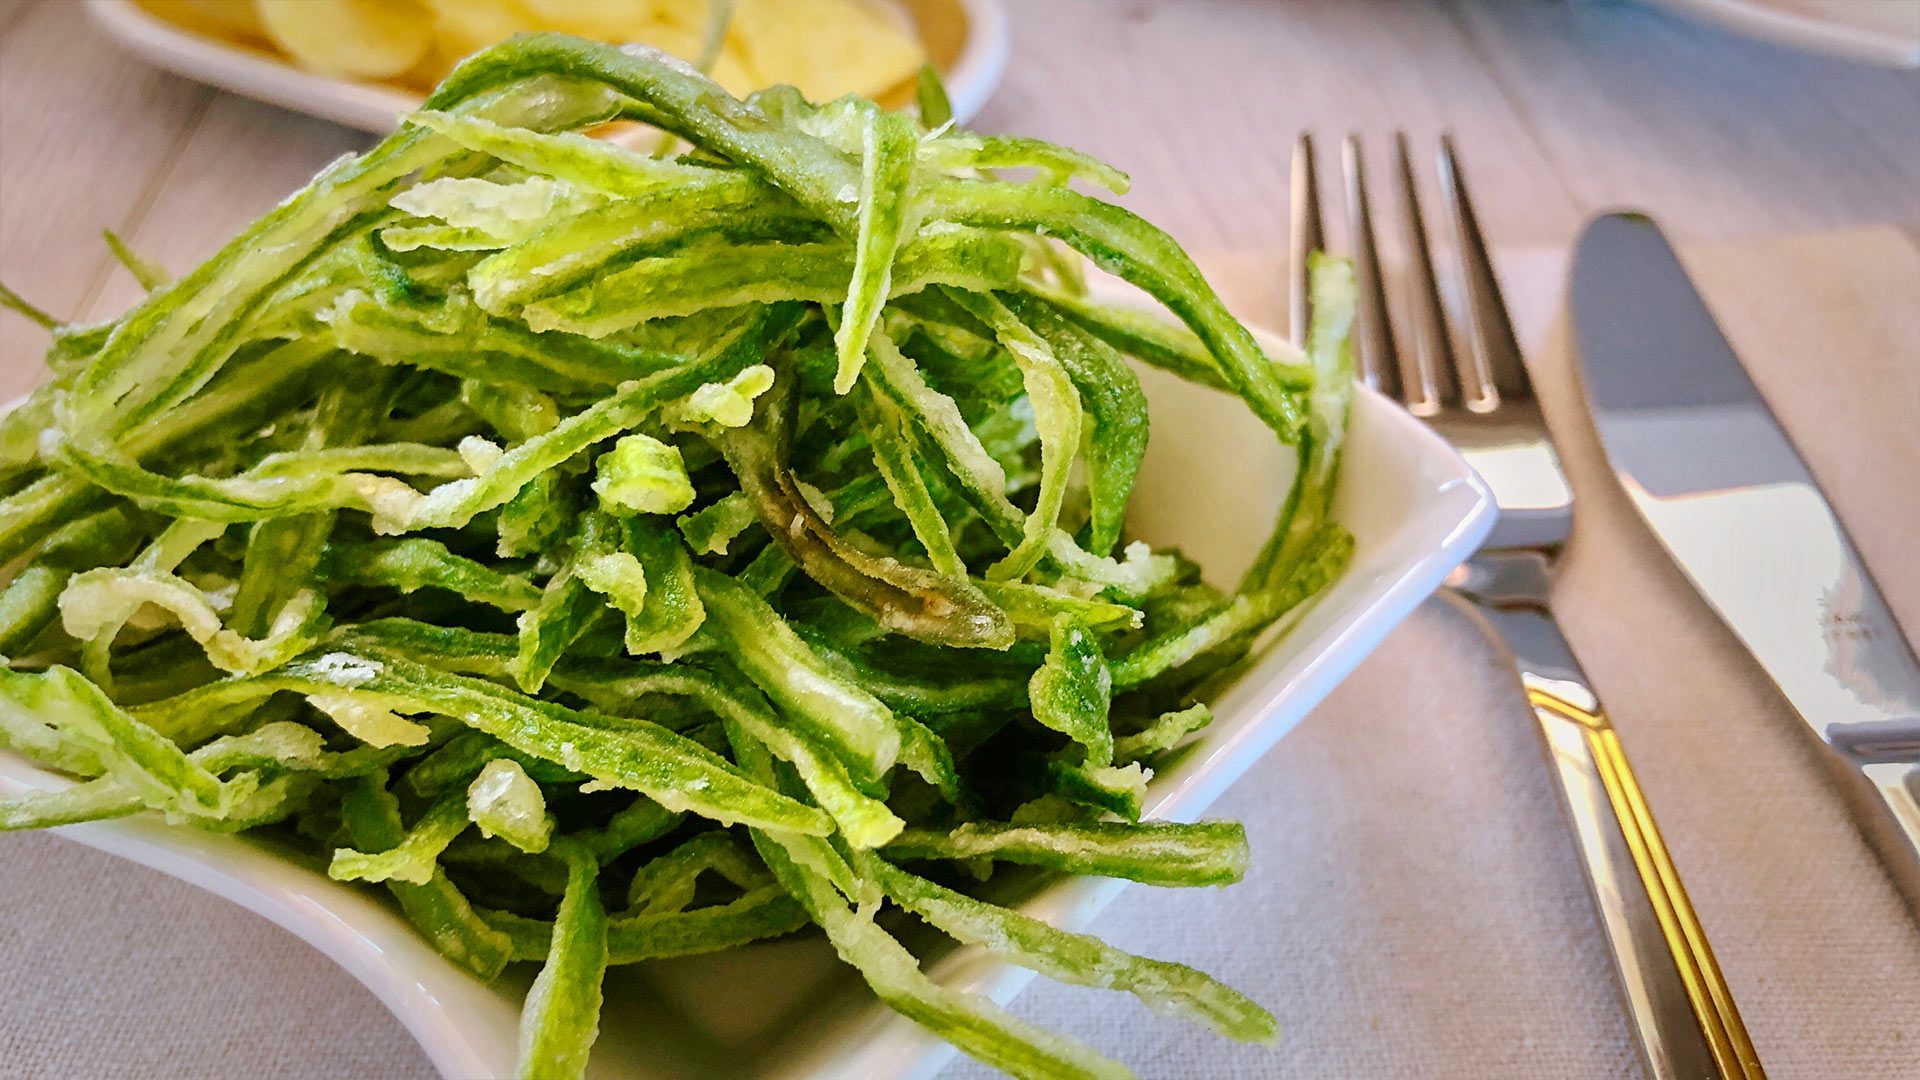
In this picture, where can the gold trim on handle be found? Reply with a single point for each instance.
(1706, 987)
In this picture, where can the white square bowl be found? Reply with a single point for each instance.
(788, 1009)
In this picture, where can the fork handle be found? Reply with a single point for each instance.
(1682, 1009)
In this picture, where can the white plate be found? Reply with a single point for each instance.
(1873, 31)
(788, 1009)
(967, 40)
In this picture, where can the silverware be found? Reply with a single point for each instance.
(1482, 400)
(1709, 469)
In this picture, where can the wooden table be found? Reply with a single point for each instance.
(1561, 110)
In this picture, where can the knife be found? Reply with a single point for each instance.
(1710, 470)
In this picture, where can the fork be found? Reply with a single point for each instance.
(1481, 399)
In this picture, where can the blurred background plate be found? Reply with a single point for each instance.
(1872, 31)
(965, 39)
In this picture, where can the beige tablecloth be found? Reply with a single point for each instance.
(1415, 906)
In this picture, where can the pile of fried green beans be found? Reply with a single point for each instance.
(619, 555)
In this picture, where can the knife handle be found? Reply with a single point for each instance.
(1682, 1009)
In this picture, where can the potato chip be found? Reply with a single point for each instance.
(827, 48)
(674, 40)
(602, 20)
(666, 37)
(466, 25)
(231, 19)
(689, 15)
(732, 74)
(362, 39)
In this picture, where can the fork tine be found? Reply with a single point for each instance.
(1378, 356)
(1497, 358)
(1434, 366)
(1306, 238)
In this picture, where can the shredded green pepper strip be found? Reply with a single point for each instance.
(283, 555)
(831, 709)
(246, 397)
(1242, 615)
(1330, 352)
(718, 205)
(959, 150)
(862, 820)
(149, 274)
(1075, 958)
(1072, 690)
(1163, 734)
(594, 164)
(175, 341)
(921, 604)
(672, 611)
(454, 504)
(765, 912)
(641, 822)
(456, 762)
(460, 339)
(1116, 411)
(413, 859)
(372, 818)
(562, 1014)
(973, 1024)
(719, 274)
(666, 883)
(1153, 852)
(667, 768)
(677, 99)
(30, 602)
(566, 608)
(278, 746)
(418, 563)
(930, 95)
(1056, 409)
(888, 143)
(1128, 247)
(893, 456)
(926, 691)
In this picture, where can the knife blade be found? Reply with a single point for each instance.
(1716, 478)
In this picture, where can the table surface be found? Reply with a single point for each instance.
(1415, 906)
